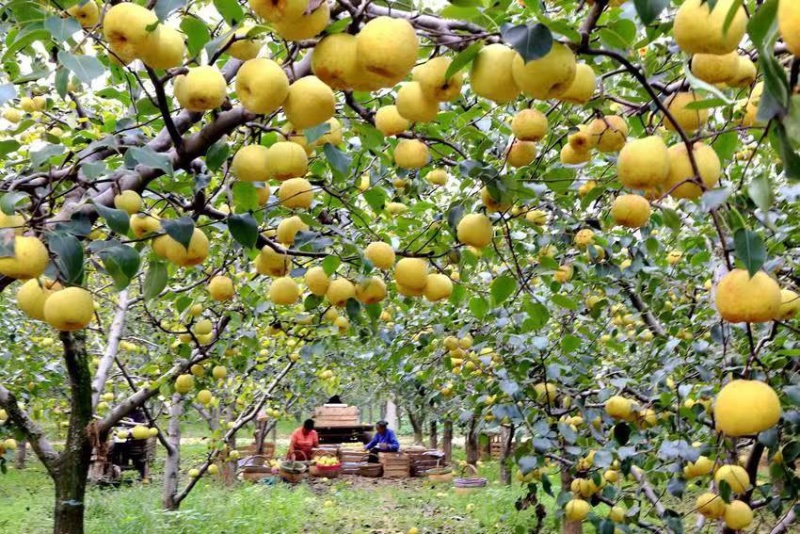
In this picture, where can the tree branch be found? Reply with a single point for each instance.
(112, 346)
(30, 429)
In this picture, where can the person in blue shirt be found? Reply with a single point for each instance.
(383, 441)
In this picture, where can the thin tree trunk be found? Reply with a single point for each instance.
(434, 435)
(570, 527)
(471, 442)
(22, 451)
(173, 462)
(73, 468)
(447, 440)
(371, 414)
(417, 425)
(110, 352)
(506, 449)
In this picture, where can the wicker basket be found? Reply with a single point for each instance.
(372, 470)
(293, 471)
(439, 475)
(254, 473)
(464, 485)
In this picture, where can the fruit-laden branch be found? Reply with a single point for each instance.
(650, 320)
(143, 395)
(112, 346)
(243, 419)
(647, 489)
(33, 432)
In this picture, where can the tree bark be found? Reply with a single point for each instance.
(22, 452)
(506, 450)
(434, 435)
(570, 527)
(471, 442)
(417, 425)
(173, 462)
(73, 468)
(447, 440)
(391, 414)
(112, 346)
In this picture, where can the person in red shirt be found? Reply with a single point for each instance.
(303, 441)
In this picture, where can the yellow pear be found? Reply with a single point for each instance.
(334, 136)
(279, 10)
(529, 125)
(261, 85)
(609, 133)
(438, 287)
(288, 228)
(431, 78)
(128, 201)
(788, 23)
(389, 122)
(680, 170)
(340, 291)
(305, 27)
(284, 291)
(570, 156)
(712, 68)
(371, 290)
(643, 163)
(380, 254)
(335, 60)
(546, 77)
(412, 273)
(203, 88)
(619, 407)
(412, 104)
(125, 27)
(317, 281)
(738, 514)
(736, 477)
(184, 384)
(688, 119)
(790, 305)
(29, 260)
(250, 163)
(243, 47)
(69, 309)
(631, 211)
(387, 47)
(700, 30)
(88, 14)
(310, 102)
(143, 224)
(285, 160)
(204, 396)
(745, 73)
(742, 299)
(491, 204)
(195, 254)
(582, 87)
(746, 407)
(577, 510)
(33, 294)
(521, 153)
(437, 177)
(163, 48)
(491, 74)
(710, 505)
(296, 193)
(475, 230)
(272, 263)
(220, 288)
(411, 154)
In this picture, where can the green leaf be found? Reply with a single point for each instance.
(68, 256)
(7, 146)
(62, 28)
(156, 280)
(244, 229)
(530, 41)
(620, 34)
(311, 302)
(180, 230)
(760, 191)
(330, 264)
(150, 158)
(197, 34)
(353, 308)
(314, 133)
(462, 59)
(478, 306)
(671, 219)
(789, 156)
(217, 154)
(10, 201)
(230, 10)
(538, 315)
(42, 156)
(564, 302)
(649, 10)
(85, 68)
(117, 220)
(338, 160)
(7, 92)
(750, 250)
(122, 263)
(245, 196)
(503, 287)
(734, 8)
(762, 22)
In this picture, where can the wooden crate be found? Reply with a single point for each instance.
(335, 415)
(395, 464)
(421, 462)
(351, 456)
(325, 450)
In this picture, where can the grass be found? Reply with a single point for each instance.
(348, 504)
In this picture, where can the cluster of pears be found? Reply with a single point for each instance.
(134, 32)
(464, 359)
(65, 309)
(136, 433)
(741, 298)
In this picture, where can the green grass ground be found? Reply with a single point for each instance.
(345, 505)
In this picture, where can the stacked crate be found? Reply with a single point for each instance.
(395, 464)
(422, 461)
(335, 415)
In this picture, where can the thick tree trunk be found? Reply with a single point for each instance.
(173, 462)
(447, 440)
(570, 527)
(434, 435)
(22, 452)
(73, 469)
(506, 450)
(417, 425)
(371, 414)
(391, 415)
(471, 442)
